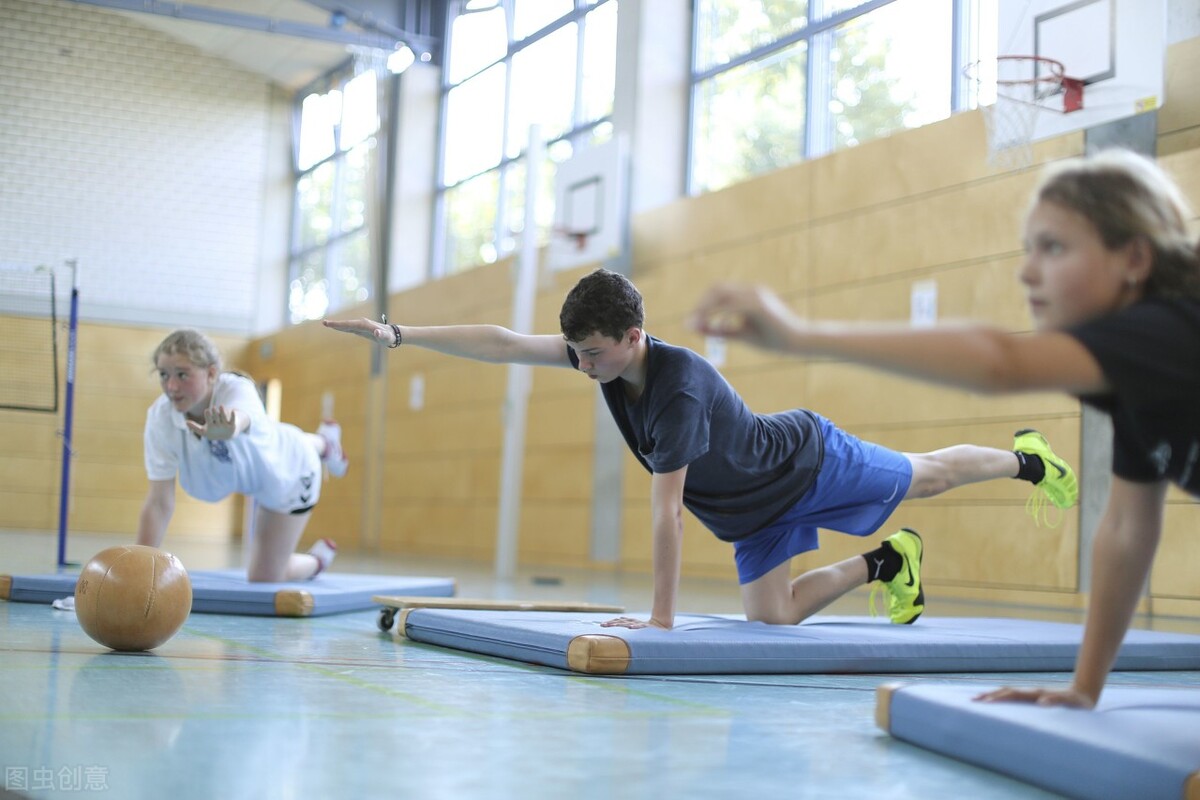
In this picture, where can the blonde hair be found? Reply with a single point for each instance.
(1127, 196)
(193, 344)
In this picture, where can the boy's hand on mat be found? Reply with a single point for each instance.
(1043, 697)
(752, 314)
(634, 624)
(368, 329)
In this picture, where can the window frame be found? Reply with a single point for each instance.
(814, 32)
(298, 252)
(577, 133)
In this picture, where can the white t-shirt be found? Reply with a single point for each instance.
(273, 462)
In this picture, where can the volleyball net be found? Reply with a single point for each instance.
(29, 374)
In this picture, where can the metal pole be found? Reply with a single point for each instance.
(68, 415)
(516, 397)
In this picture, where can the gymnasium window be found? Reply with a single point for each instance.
(509, 64)
(778, 81)
(329, 264)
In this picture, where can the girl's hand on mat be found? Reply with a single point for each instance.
(219, 424)
(368, 329)
(633, 624)
(752, 314)
(1043, 697)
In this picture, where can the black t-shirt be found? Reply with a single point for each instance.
(1150, 355)
(744, 469)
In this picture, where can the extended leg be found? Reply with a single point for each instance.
(951, 467)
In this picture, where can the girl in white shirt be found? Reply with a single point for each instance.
(210, 430)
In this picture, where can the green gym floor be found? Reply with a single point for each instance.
(330, 707)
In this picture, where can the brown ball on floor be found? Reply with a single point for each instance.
(133, 597)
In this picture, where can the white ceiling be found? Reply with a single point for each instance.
(289, 61)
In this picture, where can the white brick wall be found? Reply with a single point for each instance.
(142, 157)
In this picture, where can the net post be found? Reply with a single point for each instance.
(68, 416)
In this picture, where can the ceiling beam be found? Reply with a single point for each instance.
(382, 40)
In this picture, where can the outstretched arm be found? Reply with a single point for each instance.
(156, 512)
(490, 343)
(1126, 540)
(666, 506)
(971, 357)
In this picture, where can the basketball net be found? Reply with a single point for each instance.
(1026, 86)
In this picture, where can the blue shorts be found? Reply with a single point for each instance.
(859, 486)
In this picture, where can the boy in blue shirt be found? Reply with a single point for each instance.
(764, 482)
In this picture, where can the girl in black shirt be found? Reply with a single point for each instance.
(1112, 279)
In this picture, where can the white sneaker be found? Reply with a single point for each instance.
(334, 457)
(324, 551)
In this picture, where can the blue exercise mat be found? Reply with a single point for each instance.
(228, 592)
(1141, 742)
(729, 645)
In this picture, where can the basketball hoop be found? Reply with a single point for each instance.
(1025, 86)
(578, 237)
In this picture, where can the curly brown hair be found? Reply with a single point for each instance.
(602, 302)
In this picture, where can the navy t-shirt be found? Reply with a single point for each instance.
(1150, 355)
(744, 469)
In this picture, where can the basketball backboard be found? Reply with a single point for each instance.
(589, 206)
(1116, 47)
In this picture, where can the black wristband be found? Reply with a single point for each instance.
(396, 339)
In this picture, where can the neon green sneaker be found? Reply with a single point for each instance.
(1059, 486)
(906, 598)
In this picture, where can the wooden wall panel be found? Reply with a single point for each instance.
(767, 392)
(310, 361)
(444, 477)
(981, 545)
(840, 391)
(987, 291)
(966, 223)
(843, 237)
(898, 167)
(556, 422)
(1182, 141)
(114, 386)
(770, 203)
(562, 474)
(703, 554)
(1185, 168)
(554, 532)
(32, 511)
(435, 528)
(1181, 90)
(672, 292)
(1174, 575)
(440, 462)
(455, 429)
